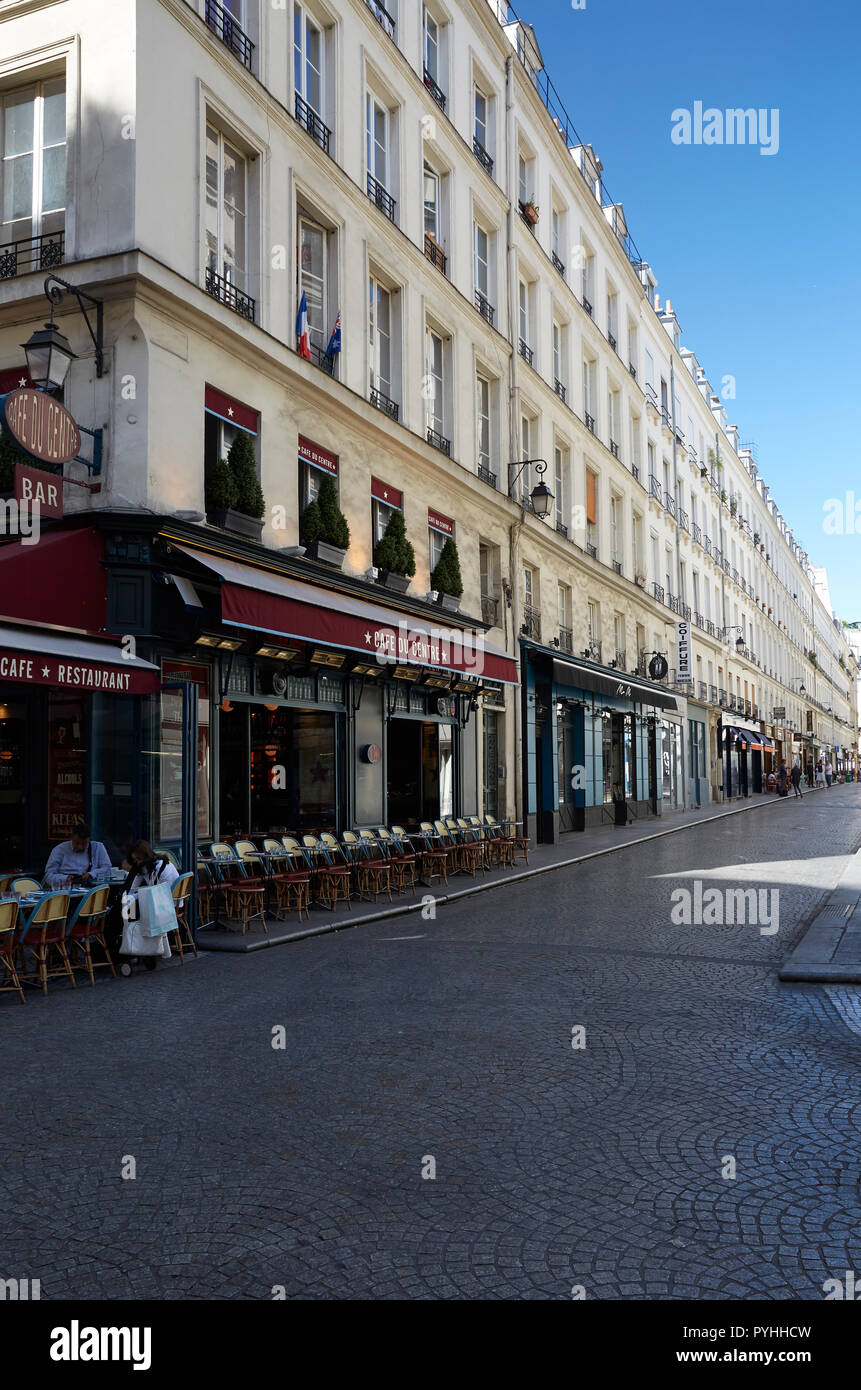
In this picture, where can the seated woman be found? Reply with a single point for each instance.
(145, 868)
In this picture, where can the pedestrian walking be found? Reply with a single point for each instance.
(782, 780)
(795, 778)
(820, 773)
(829, 773)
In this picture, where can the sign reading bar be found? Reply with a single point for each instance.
(40, 426)
(37, 668)
(35, 485)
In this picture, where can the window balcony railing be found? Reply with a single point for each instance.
(435, 89)
(665, 417)
(614, 448)
(559, 388)
(620, 660)
(384, 403)
(672, 603)
(714, 484)
(633, 370)
(655, 489)
(486, 475)
(635, 472)
(685, 611)
(482, 156)
(489, 610)
(531, 626)
(611, 340)
(33, 253)
(669, 504)
(617, 566)
(725, 564)
(592, 550)
(587, 305)
(651, 396)
(226, 292)
(699, 620)
(558, 265)
(658, 591)
(593, 650)
(439, 441)
(566, 640)
(222, 23)
(321, 359)
(484, 307)
(713, 694)
(384, 201)
(382, 16)
(702, 691)
(526, 352)
(308, 118)
(697, 534)
(684, 520)
(707, 545)
(435, 253)
(590, 422)
(562, 529)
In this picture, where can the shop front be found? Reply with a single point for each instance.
(748, 757)
(595, 745)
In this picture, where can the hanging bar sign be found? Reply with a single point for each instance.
(40, 426)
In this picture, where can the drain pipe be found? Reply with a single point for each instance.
(684, 736)
(513, 396)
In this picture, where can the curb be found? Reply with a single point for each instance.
(404, 910)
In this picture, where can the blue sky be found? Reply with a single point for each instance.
(760, 255)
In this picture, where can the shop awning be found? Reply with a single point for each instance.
(74, 663)
(60, 581)
(586, 677)
(262, 601)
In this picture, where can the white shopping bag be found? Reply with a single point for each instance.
(134, 942)
(156, 910)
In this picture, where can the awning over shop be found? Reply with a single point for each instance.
(60, 581)
(748, 737)
(263, 601)
(586, 677)
(52, 658)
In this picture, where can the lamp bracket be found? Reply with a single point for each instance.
(56, 290)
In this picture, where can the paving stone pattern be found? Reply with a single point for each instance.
(555, 1167)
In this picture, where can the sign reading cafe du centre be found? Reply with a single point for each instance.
(40, 426)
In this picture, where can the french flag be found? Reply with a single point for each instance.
(302, 334)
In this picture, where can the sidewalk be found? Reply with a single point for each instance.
(830, 950)
(574, 849)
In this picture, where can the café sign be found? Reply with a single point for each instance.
(36, 485)
(41, 426)
(36, 668)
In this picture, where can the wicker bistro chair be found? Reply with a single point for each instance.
(25, 884)
(445, 841)
(471, 850)
(499, 846)
(373, 870)
(9, 980)
(331, 871)
(402, 857)
(181, 891)
(45, 931)
(433, 854)
(87, 925)
(481, 831)
(290, 876)
(243, 893)
(208, 895)
(6, 882)
(520, 842)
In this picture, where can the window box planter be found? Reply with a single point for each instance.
(325, 553)
(399, 582)
(449, 602)
(530, 213)
(230, 520)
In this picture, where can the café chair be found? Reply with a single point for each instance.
(9, 912)
(6, 882)
(373, 870)
(181, 891)
(208, 892)
(402, 858)
(87, 925)
(243, 893)
(331, 875)
(434, 856)
(44, 931)
(520, 842)
(24, 885)
(169, 855)
(291, 881)
(500, 847)
(471, 853)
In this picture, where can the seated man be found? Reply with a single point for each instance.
(77, 860)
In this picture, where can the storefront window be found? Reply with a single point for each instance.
(671, 763)
(169, 769)
(67, 766)
(421, 771)
(491, 762)
(117, 809)
(199, 675)
(279, 770)
(13, 773)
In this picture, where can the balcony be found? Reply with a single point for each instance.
(435, 90)
(587, 306)
(482, 156)
(382, 16)
(559, 388)
(684, 611)
(439, 441)
(486, 476)
(526, 352)
(484, 307)
(531, 626)
(710, 628)
(384, 403)
(590, 423)
(684, 520)
(633, 370)
(702, 691)
(699, 620)
(562, 529)
(614, 449)
(226, 292)
(620, 660)
(722, 698)
(713, 694)
(672, 603)
(435, 253)
(617, 566)
(669, 504)
(655, 490)
(697, 534)
(33, 253)
(489, 610)
(592, 550)
(308, 118)
(566, 640)
(383, 200)
(231, 34)
(321, 359)
(611, 340)
(558, 265)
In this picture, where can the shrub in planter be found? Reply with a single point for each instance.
(310, 524)
(323, 527)
(446, 577)
(243, 465)
(220, 487)
(394, 553)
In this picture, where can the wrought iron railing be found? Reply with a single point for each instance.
(566, 639)
(32, 253)
(222, 23)
(587, 305)
(559, 265)
(489, 610)
(531, 626)
(655, 489)
(484, 307)
(526, 352)
(382, 17)
(383, 200)
(560, 390)
(384, 403)
(227, 293)
(590, 422)
(439, 441)
(482, 156)
(435, 89)
(486, 475)
(614, 448)
(317, 129)
(435, 253)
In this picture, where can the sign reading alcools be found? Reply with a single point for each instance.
(40, 426)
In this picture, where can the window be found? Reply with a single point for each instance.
(613, 420)
(385, 501)
(563, 487)
(615, 529)
(528, 587)
(313, 268)
(563, 607)
(523, 179)
(482, 419)
(490, 569)
(637, 543)
(588, 278)
(377, 140)
(612, 317)
(482, 116)
(593, 624)
(431, 46)
(33, 171)
(380, 337)
(432, 202)
(589, 391)
(482, 260)
(650, 372)
(435, 369)
(440, 529)
(307, 59)
(314, 464)
(523, 311)
(635, 441)
(226, 195)
(558, 355)
(591, 508)
(557, 237)
(619, 635)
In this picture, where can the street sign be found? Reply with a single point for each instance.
(779, 712)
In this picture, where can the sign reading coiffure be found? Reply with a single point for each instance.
(40, 426)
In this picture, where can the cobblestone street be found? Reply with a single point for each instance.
(451, 1040)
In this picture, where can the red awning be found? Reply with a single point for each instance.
(58, 583)
(52, 658)
(265, 602)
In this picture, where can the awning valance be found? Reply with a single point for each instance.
(588, 678)
(263, 601)
(74, 663)
(61, 581)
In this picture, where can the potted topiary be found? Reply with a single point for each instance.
(234, 497)
(446, 577)
(394, 556)
(530, 212)
(323, 527)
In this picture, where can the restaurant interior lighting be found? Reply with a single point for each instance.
(406, 673)
(278, 653)
(319, 657)
(214, 639)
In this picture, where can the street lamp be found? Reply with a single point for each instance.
(540, 497)
(49, 352)
(740, 643)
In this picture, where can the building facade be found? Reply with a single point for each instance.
(407, 176)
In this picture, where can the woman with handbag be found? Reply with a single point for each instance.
(145, 870)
